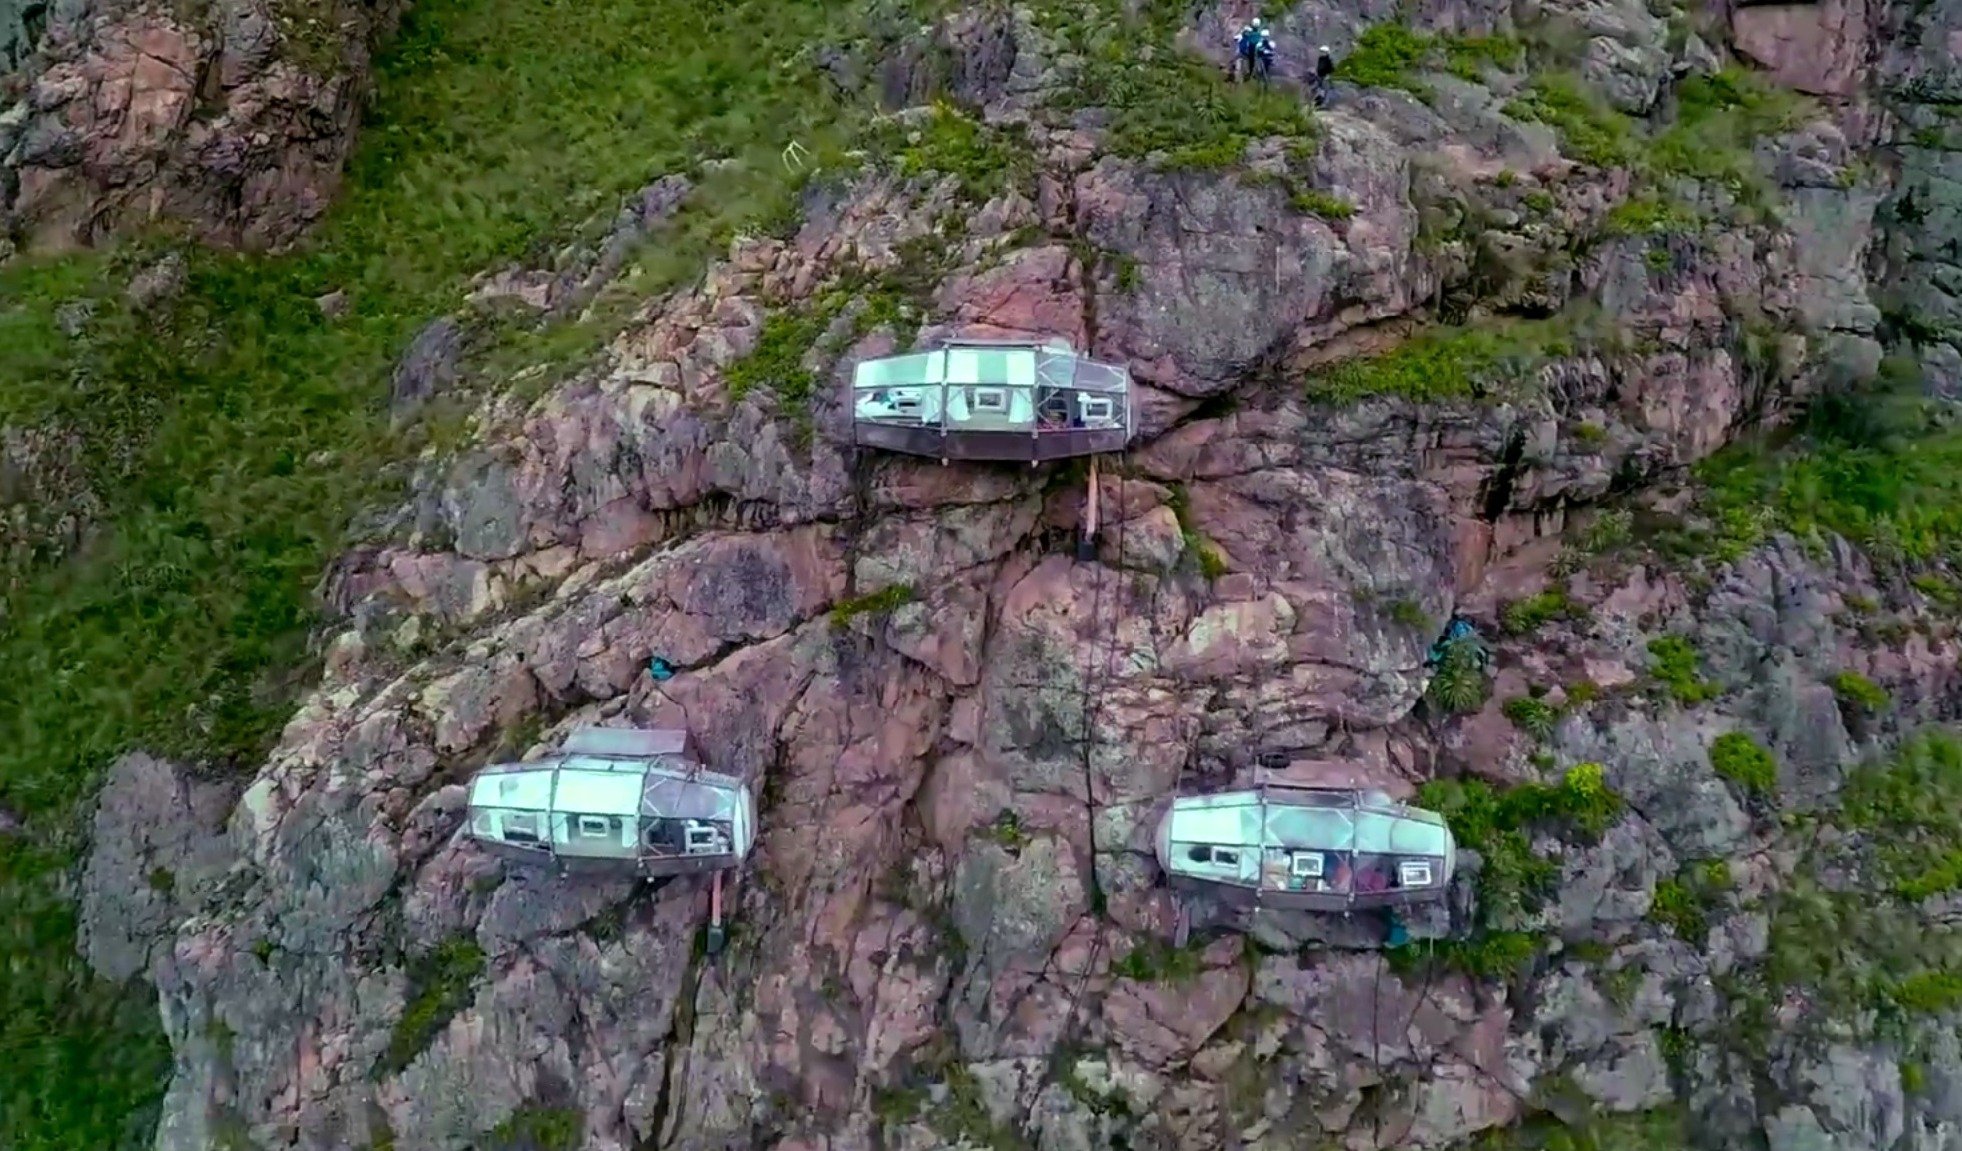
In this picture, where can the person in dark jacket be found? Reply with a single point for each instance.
(1324, 73)
(1254, 42)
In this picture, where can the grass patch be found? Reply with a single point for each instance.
(236, 431)
(1745, 762)
(1525, 616)
(1385, 56)
(1489, 955)
(1854, 953)
(1532, 715)
(1718, 119)
(1684, 903)
(1676, 664)
(1470, 57)
(1589, 130)
(1007, 831)
(1498, 824)
(537, 1129)
(964, 1117)
(1314, 203)
(951, 142)
(1167, 102)
(1444, 364)
(1665, 1129)
(1874, 949)
(777, 361)
(1204, 555)
(1857, 690)
(1155, 961)
(1894, 489)
(880, 602)
(1409, 613)
(1650, 214)
(1912, 804)
(1390, 55)
(441, 984)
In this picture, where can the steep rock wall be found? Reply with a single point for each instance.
(953, 934)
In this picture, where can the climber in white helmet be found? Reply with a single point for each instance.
(1255, 43)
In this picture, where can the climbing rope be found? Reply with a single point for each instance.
(1092, 705)
(1375, 1038)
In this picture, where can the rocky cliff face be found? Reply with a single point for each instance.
(230, 119)
(18, 31)
(1694, 914)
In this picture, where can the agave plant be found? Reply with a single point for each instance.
(1458, 686)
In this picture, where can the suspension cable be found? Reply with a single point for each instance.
(1092, 704)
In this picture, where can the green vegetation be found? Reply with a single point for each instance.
(1718, 119)
(1488, 955)
(964, 1117)
(1678, 667)
(537, 1129)
(1532, 715)
(1469, 57)
(1649, 214)
(1385, 56)
(1862, 950)
(953, 143)
(1871, 464)
(441, 984)
(897, 1104)
(1853, 688)
(777, 361)
(1006, 830)
(1525, 616)
(235, 430)
(1328, 207)
(1514, 882)
(1589, 130)
(1168, 102)
(886, 599)
(1458, 684)
(1410, 614)
(1744, 761)
(1155, 961)
(1389, 55)
(1684, 903)
(1201, 550)
(1441, 364)
(1913, 806)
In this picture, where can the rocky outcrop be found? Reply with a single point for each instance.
(46, 501)
(159, 846)
(232, 120)
(953, 932)
(19, 27)
(1919, 75)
